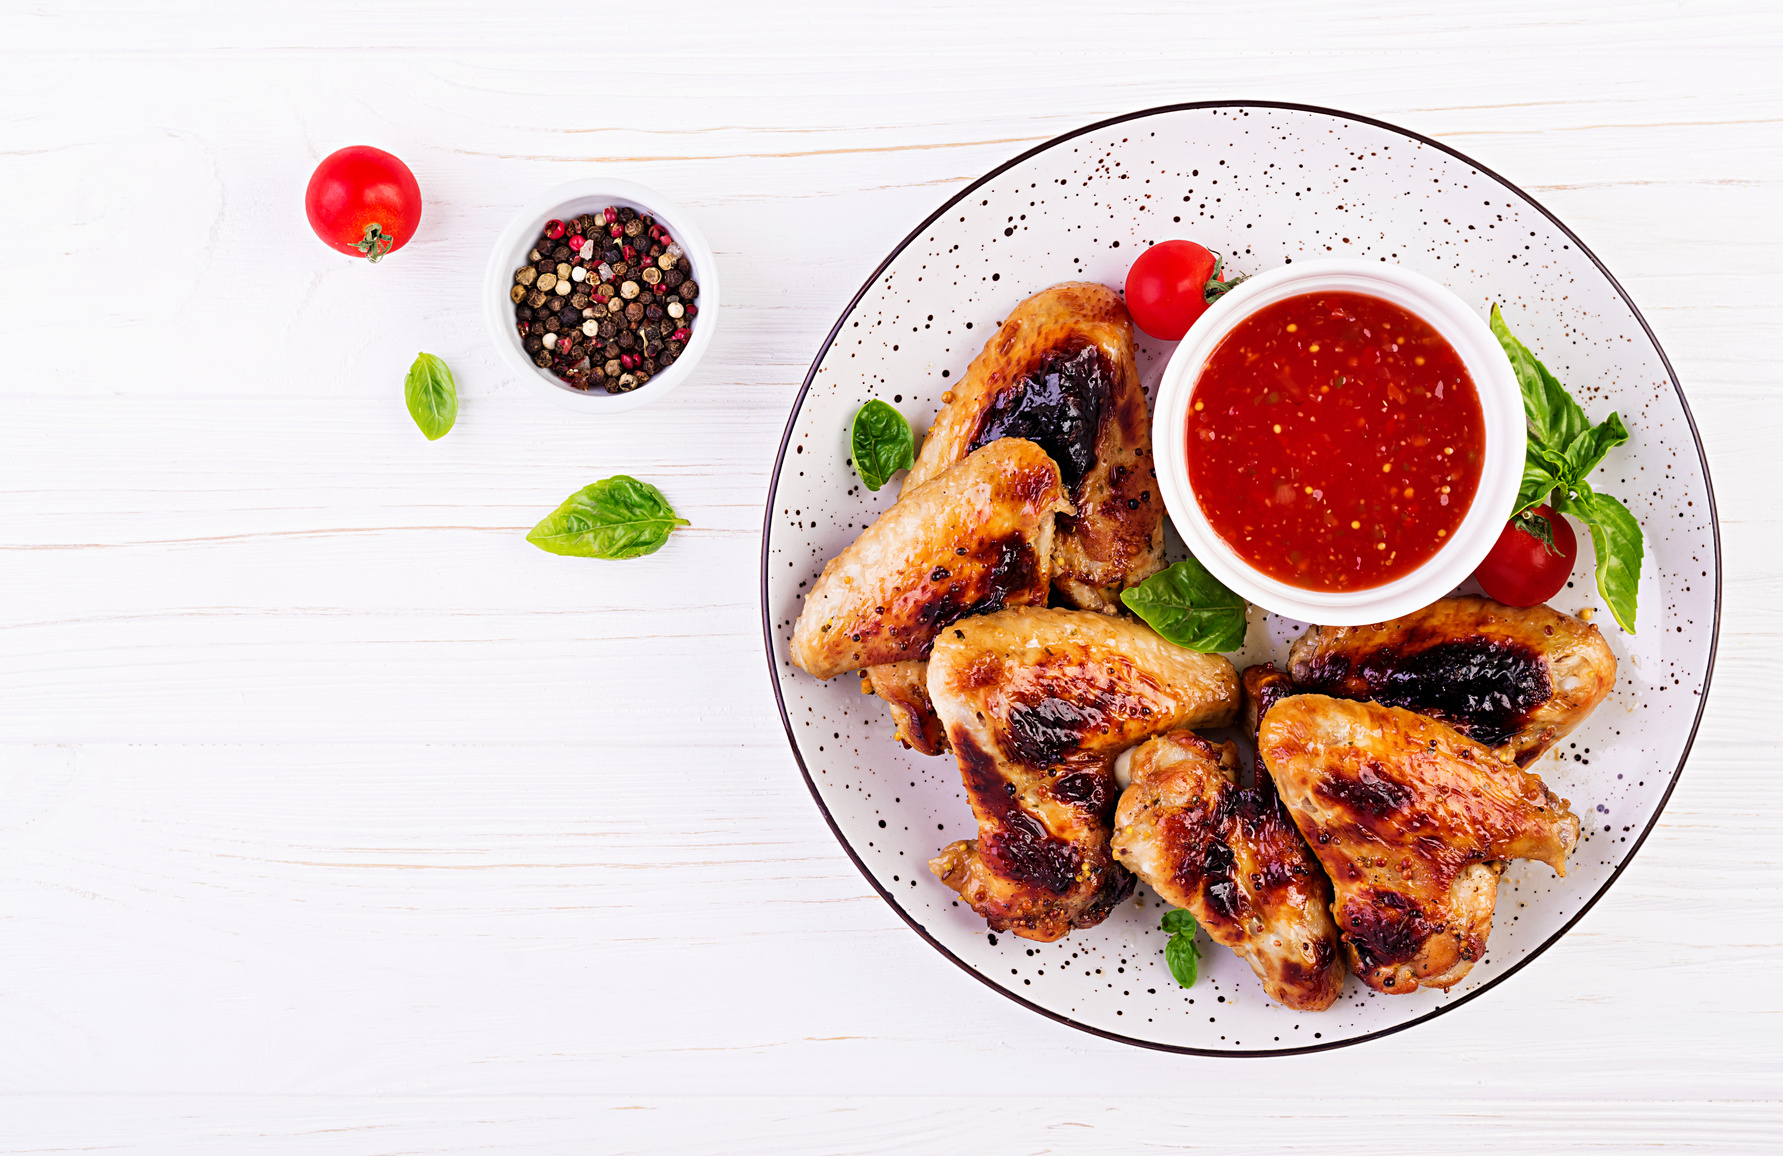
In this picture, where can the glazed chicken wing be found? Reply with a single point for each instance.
(1515, 680)
(1411, 820)
(1060, 371)
(1037, 703)
(974, 538)
(1231, 855)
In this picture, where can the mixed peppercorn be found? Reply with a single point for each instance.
(607, 299)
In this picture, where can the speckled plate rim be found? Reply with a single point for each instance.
(768, 619)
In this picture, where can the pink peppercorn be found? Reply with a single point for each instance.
(576, 240)
(679, 335)
(615, 230)
(554, 229)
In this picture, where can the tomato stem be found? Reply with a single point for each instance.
(1217, 286)
(375, 243)
(1536, 526)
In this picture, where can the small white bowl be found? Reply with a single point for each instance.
(589, 195)
(1501, 402)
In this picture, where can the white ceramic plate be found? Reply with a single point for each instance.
(1265, 184)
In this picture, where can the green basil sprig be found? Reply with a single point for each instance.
(1190, 607)
(881, 442)
(618, 518)
(432, 396)
(1180, 952)
(1563, 447)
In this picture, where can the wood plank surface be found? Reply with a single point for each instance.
(335, 817)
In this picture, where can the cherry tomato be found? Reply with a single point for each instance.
(363, 202)
(1521, 570)
(1169, 286)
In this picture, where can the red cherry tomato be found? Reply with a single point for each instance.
(1167, 287)
(363, 202)
(1521, 571)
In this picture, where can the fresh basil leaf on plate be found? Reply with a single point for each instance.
(617, 518)
(1563, 448)
(1190, 607)
(1589, 448)
(1539, 479)
(881, 442)
(432, 396)
(1554, 417)
(1180, 953)
(1616, 537)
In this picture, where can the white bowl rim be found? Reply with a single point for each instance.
(568, 199)
(1501, 403)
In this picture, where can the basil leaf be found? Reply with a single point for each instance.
(1539, 478)
(1190, 607)
(881, 442)
(1178, 920)
(1616, 537)
(432, 396)
(1554, 416)
(618, 518)
(1180, 953)
(1589, 448)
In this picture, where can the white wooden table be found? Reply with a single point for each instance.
(334, 817)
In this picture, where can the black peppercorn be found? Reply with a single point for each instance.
(632, 274)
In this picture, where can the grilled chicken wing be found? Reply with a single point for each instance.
(1037, 703)
(1515, 680)
(1231, 855)
(1060, 372)
(974, 538)
(1412, 821)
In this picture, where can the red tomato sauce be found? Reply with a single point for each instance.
(1335, 441)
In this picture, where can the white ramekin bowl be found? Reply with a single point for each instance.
(588, 195)
(1501, 403)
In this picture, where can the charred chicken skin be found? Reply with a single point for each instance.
(1060, 371)
(1037, 703)
(1412, 821)
(977, 537)
(1232, 857)
(1516, 680)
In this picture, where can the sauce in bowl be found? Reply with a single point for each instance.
(1335, 441)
